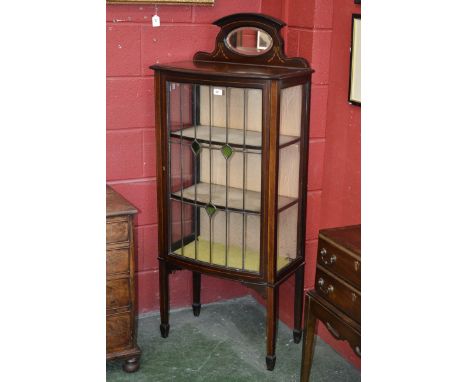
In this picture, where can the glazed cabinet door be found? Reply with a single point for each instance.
(215, 160)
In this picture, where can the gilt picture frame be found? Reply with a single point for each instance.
(169, 2)
(354, 95)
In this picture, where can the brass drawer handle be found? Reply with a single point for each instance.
(357, 350)
(332, 330)
(321, 283)
(330, 260)
(357, 266)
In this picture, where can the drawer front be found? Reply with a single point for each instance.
(339, 263)
(343, 296)
(116, 230)
(117, 261)
(118, 293)
(119, 334)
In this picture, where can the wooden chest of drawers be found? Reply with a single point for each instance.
(336, 300)
(120, 284)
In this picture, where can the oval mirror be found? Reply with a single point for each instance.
(249, 41)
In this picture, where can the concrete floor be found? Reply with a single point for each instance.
(225, 343)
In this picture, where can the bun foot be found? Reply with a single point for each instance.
(196, 309)
(131, 365)
(270, 362)
(297, 334)
(164, 330)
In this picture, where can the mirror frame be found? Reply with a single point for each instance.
(273, 57)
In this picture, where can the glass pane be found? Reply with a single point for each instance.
(231, 172)
(215, 174)
(287, 236)
(183, 225)
(231, 250)
(182, 166)
(288, 174)
(239, 107)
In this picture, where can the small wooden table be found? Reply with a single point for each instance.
(336, 300)
(120, 284)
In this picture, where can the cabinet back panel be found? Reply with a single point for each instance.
(238, 98)
(291, 111)
(235, 169)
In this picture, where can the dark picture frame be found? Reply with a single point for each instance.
(354, 93)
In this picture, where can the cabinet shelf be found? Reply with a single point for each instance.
(200, 251)
(253, 139)
(235, 198)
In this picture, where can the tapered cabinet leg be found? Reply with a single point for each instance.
(272, 325)
(298, 304)
(308, 344)
(164, 297)
(196, 285)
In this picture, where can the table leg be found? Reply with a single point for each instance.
(196, 284)
(164, 298)
(298, 304)
(308, 345)
(272, 326)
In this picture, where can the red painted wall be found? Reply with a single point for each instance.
(341, 187)
(318, 30)
(341, 203)
(132, 45)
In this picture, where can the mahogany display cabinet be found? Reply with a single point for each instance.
(232, 129)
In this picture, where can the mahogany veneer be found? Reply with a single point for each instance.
(336, 300)
(232, 132)
(120, 285)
